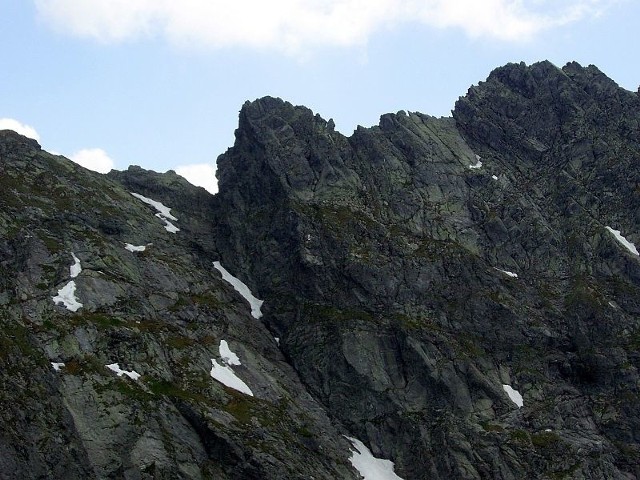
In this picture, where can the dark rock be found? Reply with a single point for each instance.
(386, 287)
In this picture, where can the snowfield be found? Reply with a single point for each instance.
(135, 248)
(242, 289)
(623, 241)
(224, 373)
(370, 467)
(164, 212)
(115, 367)
(514, 395)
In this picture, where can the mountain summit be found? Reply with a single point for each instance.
(428, 298)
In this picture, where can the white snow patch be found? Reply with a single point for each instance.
(135, 248)
(495, 177)
(514, 395)
(164, 212)
(57, 365)
(511, 274)
(162, 209)
(242, 289)
(370, 467)
(478, 163)
(625, 243)
(277, 339)
(224, 373)
(67, 296)
(168, 226)
(75, 269)
(226, 376)
(115, 367)
(228, 357)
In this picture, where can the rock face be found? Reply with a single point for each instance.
(161, 311)
(461, 294)
(416, 267)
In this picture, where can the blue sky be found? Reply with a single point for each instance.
(159, 83)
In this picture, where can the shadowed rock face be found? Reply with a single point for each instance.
(410, 272)
(386, 262)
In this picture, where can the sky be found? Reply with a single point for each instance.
(159, 83)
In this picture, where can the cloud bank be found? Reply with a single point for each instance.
(94, 159)
(21, 128)
(293, 26)
(201, 175)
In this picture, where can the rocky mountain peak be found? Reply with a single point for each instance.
(305, 144)
(528, 111)
(268, 119)
(15, 140)
(526, 79)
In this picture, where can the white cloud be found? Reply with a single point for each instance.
(201, 175)
(294, 26)
(508, 20)
(21, 128)
(94, 159)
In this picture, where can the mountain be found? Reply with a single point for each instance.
(458, 295)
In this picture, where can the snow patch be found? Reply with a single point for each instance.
(514, 395)
(115, 367)
(162, 209)
(168, 226)
(57, 365)
(67, 296)
(228, 357)
(478, 163)
(623, 241)
(164, 212)
(75, 269)
(135, 248)
(370, 467)
(242, 289)
(510, 274)
(224, 373)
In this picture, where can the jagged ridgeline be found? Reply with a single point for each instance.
(429, 298)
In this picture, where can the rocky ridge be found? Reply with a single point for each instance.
(456, 292)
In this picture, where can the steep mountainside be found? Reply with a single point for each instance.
(461, 294)
(152, 303)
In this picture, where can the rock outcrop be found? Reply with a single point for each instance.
(461, 294)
